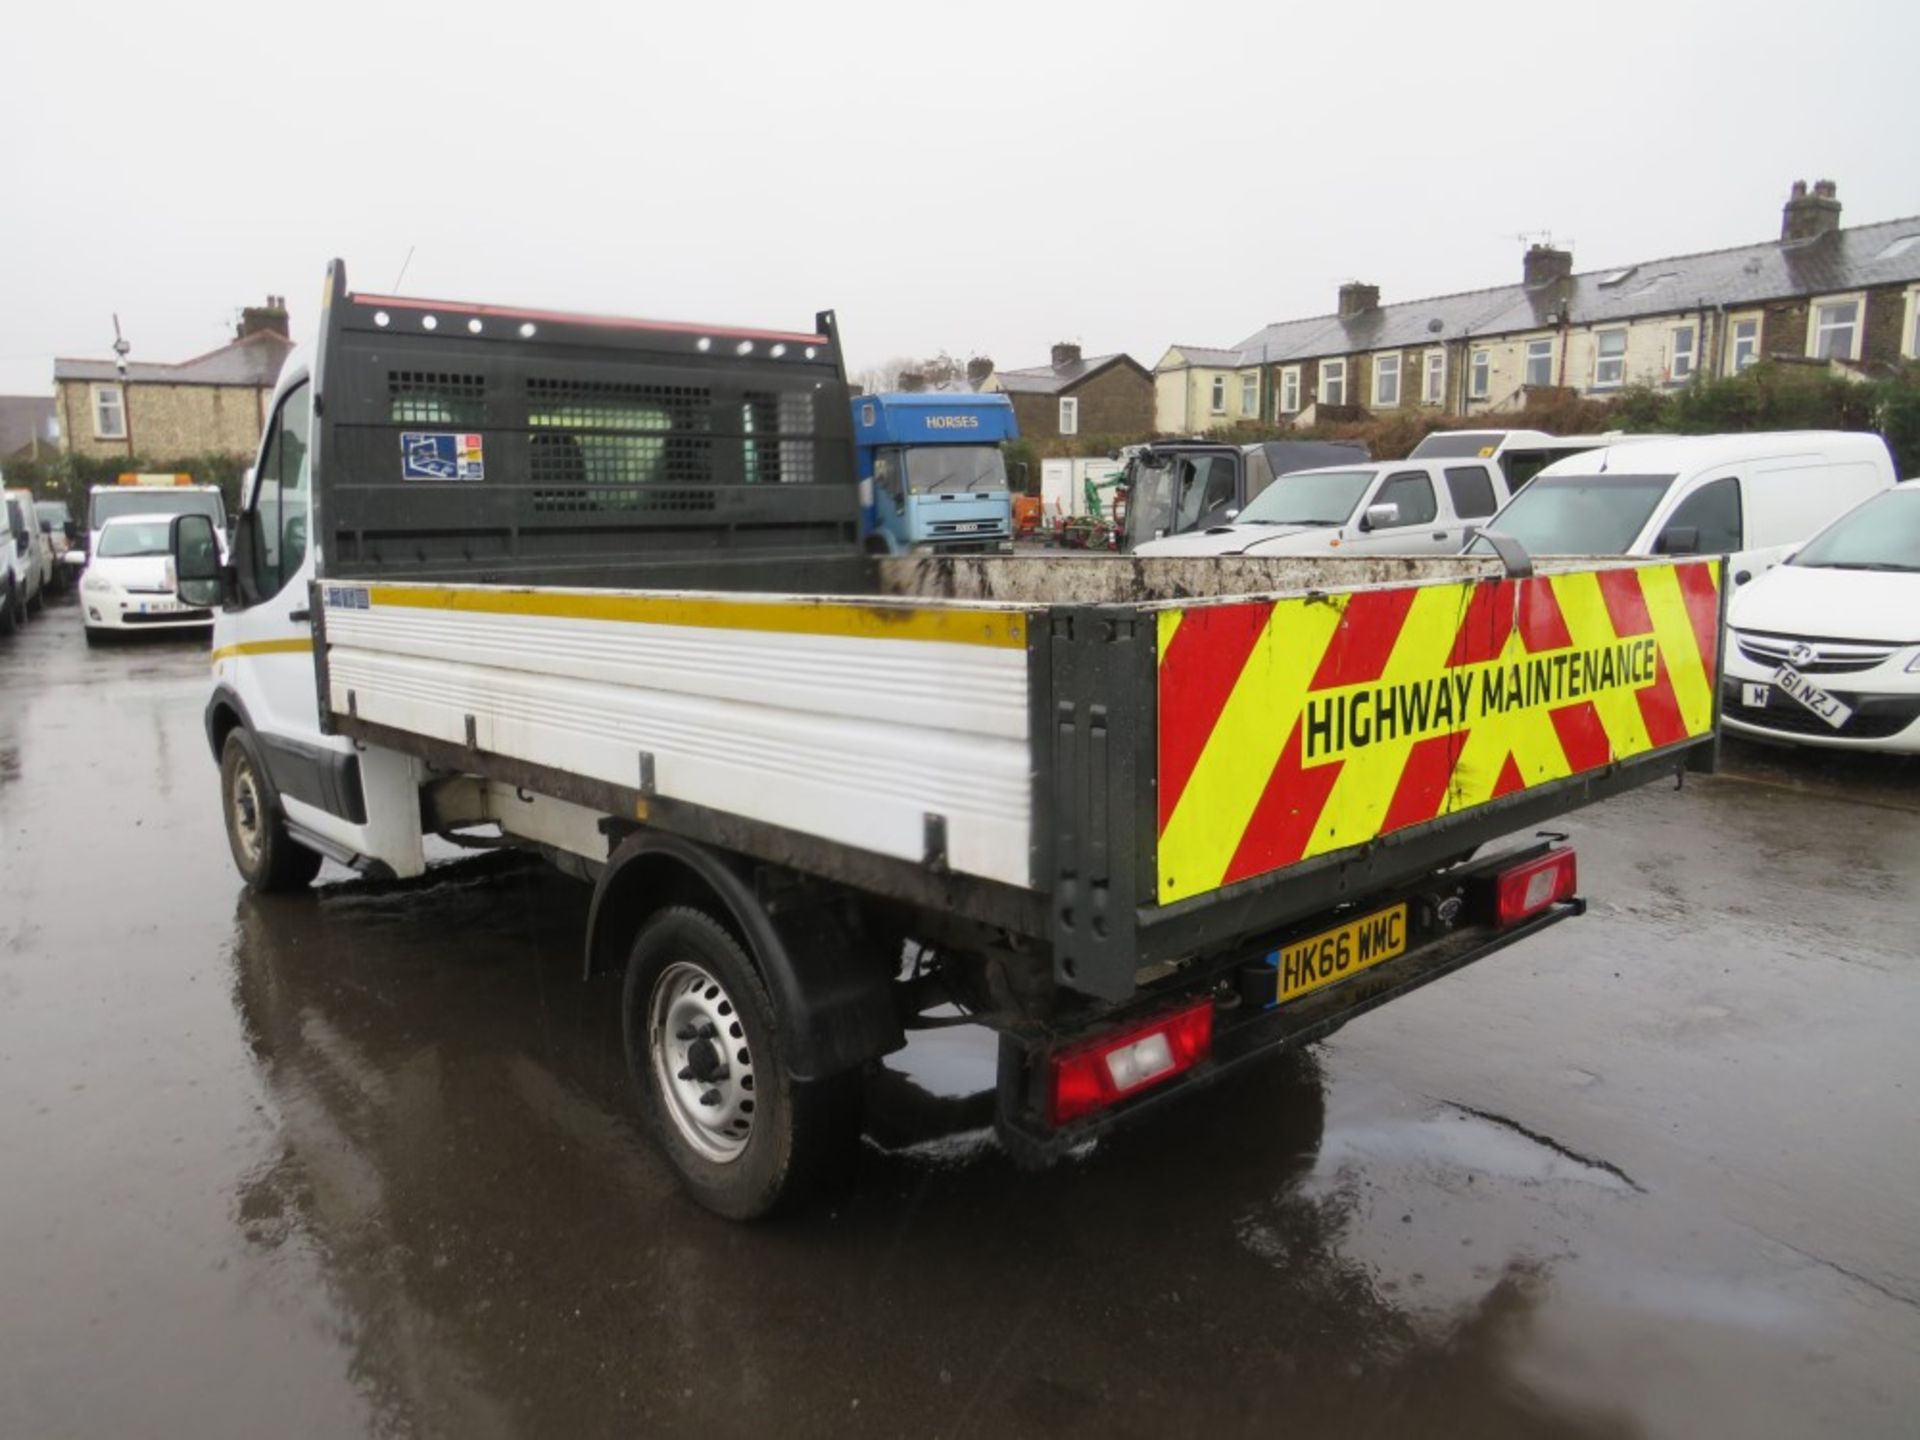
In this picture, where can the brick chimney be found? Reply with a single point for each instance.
(912, 382)
(1807, 217)
(1357, 299)
(978, 368)
(1065, 354)
(1544, 264)
(270, 318)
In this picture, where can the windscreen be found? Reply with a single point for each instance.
(139, 500)
(139, 537)
(1579, 514)
(932, 469)
(53, 512)
(1309, 497)
(1883, 534)
(1455, 445)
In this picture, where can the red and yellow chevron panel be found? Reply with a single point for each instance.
(1296, 727)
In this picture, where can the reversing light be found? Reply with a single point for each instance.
(1527, 889)
(427, 322)
(1101, 1072)
(382, 319)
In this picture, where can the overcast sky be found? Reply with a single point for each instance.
(968, 177)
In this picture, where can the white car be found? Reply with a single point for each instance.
(129, 583)
(1388, 507)
(1825, 649)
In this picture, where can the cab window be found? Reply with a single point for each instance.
(1412, 492)
(1471, 488)
(1714, 512)
(278, 518)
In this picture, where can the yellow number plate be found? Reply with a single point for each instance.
(1319, 960)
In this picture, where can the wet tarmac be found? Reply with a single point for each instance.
(362, 1162)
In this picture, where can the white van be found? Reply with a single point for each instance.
(1752, 498)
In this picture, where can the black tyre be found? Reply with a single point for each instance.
(38, 603)
(266, 857)
(708, 1058)
(95, 637)
(10, 612)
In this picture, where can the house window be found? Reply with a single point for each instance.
(1250, 395)
(1219, 394)
(109, 413)
(1609, 359)
(1910, 332)
(1480, 375)
(1685, 339)
(1288, 399)
(1069, 416)
(1333, 382)
(1386, 381)
(1746, 344)
(1836, 330)
(1540, 362)
(1433, 388)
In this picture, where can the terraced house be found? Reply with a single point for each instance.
(1819, 294)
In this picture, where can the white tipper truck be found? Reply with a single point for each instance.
(595, 587)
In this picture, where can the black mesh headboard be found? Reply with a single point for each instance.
(485, 443)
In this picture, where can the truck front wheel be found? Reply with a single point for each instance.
(704, 1049)
(267, 858)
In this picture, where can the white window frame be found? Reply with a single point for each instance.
(1287, 394)
(1754, 318)
(1383, 366)
(1675, 354)
(1433, 378)
(1250, 396)
(1600, 358)
(1910, 327)
(1859, 327)
(1479, 373)
(1219, 395)
(1544, 347)
(119, 394)
(1069, 415)
(1332, 373)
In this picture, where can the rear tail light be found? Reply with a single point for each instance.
(1527, 889)
(1098, 1073)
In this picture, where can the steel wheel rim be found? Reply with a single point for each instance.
(244, 812)
(702, 1062)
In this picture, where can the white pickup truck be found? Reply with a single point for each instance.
(595, 587)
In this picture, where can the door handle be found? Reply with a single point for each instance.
(299, 617)
(1439, 534)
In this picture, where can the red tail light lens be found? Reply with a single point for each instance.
(1526, 890)
(1102, 1072)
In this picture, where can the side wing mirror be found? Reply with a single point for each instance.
(1382, 516)
(197, 573)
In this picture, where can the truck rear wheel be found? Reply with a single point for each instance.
(267, 858)
(705, 1051)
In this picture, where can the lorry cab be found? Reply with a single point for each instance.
(932, 474)
(153, 494)
(1180, 486)
(1752, 498)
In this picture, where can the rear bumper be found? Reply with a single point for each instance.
(1242, 1036)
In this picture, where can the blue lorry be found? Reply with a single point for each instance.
(932, 476)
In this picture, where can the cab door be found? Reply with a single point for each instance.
(1419, 527)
